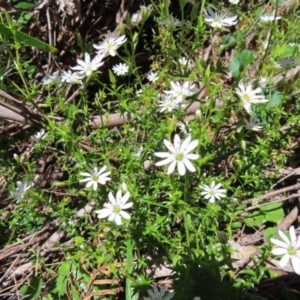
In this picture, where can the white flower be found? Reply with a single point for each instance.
(138, 153)
(213, 192)
(171, 23)
(87, 67)
(114, 208)
(184, 127)
(120, 69)
(159, 295)
(167, 103)
(94, 177)
(54, 79)
(136, 18)
(21, 189)
(269, 18)
(71, 77)
(183, 61)
(139, 92)
(110, 45)
(152, 76)
(234, 1)
(180, 91)
(179, 155)
(265, 44)
(287, 63)
(219, 20)
(289, 249)
(249, 96)
(252, 124)
(40, 135)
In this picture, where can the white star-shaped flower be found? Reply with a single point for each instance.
(71, 77)
(179, 155)
(269, 18)
(290, 249)
(110, 45)
(21, 189)
(87, 67)
(40, 135)
(152, 76)
(253, 124)
(94, 177)
(53, 79)
(180, 91)
(167, 103)
(249, 96)
(155, 294)
(121, 69)
(212, 192)
(114, 208)
(219, 20)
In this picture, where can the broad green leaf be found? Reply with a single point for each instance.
(275, 215)
(33, 291)
(61, 285)
(270, 231)
(275, 99)
(64, 269)
(24, 5)
(284, 51)
(269, 207)
(256, 219)
(236, 224)
(26, 39)
(240, 61)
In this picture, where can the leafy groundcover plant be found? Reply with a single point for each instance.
(153, 156)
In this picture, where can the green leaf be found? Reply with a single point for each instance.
(64, 269)
(32, 291)
(275, 99)
(284, 51)
(24, 5)
(112, 77)
(269, 207)
(61, 285)
(236, 224)
(79, 240)
(270, 231)
(275, 215)
(75, 293)
(256, 219)
(240, 61)
(25, 38)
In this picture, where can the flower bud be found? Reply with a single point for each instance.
(222, 237)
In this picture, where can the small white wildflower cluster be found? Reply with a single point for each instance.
(114, 209)
(174, 98)
(86, 67)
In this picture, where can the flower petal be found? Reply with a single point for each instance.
(284, 260)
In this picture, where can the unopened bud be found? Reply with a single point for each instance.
(198, 114)
(222, 237)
